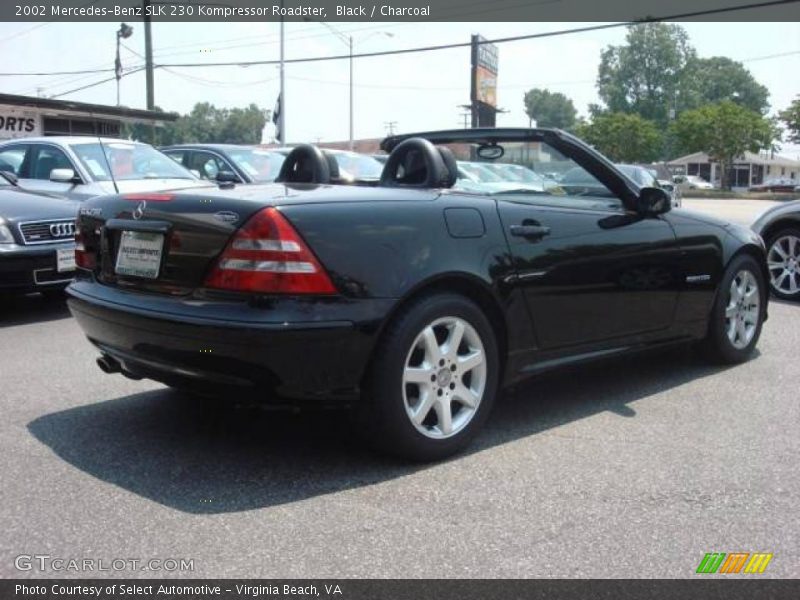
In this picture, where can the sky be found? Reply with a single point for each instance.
(416, 91)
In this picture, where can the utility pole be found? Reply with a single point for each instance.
(389, 125)
(124, 32)
(350, 43)
(282, 96)
(148, 58)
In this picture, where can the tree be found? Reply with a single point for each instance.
(719, 78)
(647, 74)
(208, 124)
(791, 117)
(724, 131)
(550, 109)
(623, 137)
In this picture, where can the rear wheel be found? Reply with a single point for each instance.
(783, 261)
(433, 380)
(738, 313)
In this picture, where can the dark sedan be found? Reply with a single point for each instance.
(409, 300)
(785, 185)
(37, 247)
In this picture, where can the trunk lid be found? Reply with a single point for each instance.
(171, 240)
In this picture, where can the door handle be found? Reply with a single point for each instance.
(533, 232)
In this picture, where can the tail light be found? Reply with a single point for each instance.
(267, 255)
(83, 258)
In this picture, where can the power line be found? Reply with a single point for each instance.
(83, 72)
(96, 83)
(448, 46)
(37, 26)
(419, 49)
(516, 38)
(768, 56)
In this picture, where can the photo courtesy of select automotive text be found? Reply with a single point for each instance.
(424, 300)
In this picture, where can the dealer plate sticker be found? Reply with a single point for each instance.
(139, 254)
(65, 260)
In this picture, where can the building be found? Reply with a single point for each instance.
(749, 169)
(25, 116)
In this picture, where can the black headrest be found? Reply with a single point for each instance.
(304, 164)
(414, 162)
(451, 167)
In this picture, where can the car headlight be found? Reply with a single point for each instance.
(5, 235)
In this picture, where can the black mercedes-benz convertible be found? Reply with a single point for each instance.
(412, 299)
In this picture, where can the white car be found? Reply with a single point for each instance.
(81, 167)
(692, 182)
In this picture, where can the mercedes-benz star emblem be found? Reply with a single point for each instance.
(138, 212)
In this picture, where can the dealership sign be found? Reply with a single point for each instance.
(483, 82)
(18, 122)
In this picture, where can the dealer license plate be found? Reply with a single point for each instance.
(139, 254)
(65, 259)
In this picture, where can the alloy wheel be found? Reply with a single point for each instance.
(783, 261)
(444, 377)
(743, 310)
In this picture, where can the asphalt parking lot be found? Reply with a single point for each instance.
(635, 468)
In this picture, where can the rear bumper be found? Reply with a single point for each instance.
(29, 269)
(273, 351)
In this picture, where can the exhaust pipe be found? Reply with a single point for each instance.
(108, 365)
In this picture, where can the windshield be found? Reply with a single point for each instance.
(127, 161)
(262, 165)
(526, 171)
(357, 166)
(479, 173)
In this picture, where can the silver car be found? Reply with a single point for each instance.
(82, 167)
(780, 228)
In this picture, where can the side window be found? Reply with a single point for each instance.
(177, 156)
(531, 173)
(12, 159)
(207, 165)
(45, 159)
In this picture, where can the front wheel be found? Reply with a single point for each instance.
(433, 379)
(738, 313)
(783, 261)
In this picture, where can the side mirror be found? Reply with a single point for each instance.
(227, 177)
(653, 201)
(63, 176)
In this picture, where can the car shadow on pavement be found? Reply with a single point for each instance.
(32, 308)
(204, 457)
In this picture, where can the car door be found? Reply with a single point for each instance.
(591, 269)
(40, 162)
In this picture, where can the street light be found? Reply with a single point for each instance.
(123, 33)
(348, 40)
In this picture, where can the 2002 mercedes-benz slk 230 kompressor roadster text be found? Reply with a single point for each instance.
(409, 299)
